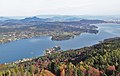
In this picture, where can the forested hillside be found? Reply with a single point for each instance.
(102, 59)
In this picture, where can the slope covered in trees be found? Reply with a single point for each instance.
(102, 59)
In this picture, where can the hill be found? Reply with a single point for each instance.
(102, 59)
(15, 29)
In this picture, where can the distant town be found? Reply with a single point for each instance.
(59, 29)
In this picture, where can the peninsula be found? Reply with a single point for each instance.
(12, 29)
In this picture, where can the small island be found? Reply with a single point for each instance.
(96, 60)
(12, 30)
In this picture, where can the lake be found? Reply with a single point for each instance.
(27, 48)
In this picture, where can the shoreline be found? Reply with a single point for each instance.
(30, 59)
(53, 37)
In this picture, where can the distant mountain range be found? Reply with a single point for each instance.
(37, 21)
(57, 18)
(61, 17)
(3, 18)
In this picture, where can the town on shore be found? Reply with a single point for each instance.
(14, 29)
(96, 60)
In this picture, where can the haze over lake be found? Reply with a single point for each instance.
(27, 48)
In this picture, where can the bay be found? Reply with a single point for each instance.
(28, 48)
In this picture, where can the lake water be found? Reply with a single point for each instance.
(33, 47)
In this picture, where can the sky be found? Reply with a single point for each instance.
(59, 7)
